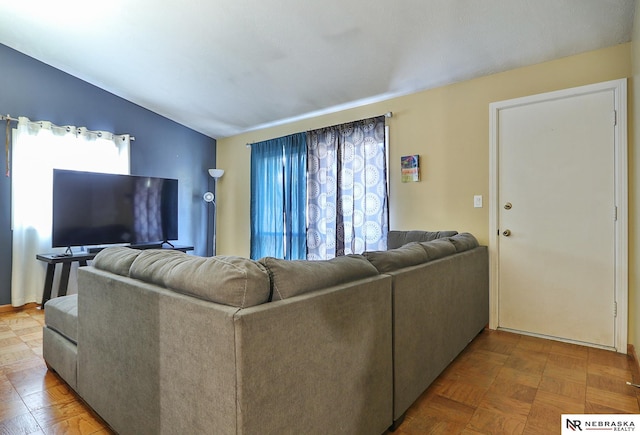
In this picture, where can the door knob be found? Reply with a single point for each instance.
(508, 206)
(506, 233)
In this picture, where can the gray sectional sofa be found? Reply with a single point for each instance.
(161, 342)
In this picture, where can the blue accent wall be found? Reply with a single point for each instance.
(162, 148)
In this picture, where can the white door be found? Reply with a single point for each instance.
(556, 222)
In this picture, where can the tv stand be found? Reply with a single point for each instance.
(150, 245)
(157, 245)
(82, 258)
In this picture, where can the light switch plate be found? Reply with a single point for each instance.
(477, 201)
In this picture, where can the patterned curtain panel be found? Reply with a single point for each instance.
(347, 189)
(278, 198)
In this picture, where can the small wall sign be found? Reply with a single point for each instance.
(410, 167)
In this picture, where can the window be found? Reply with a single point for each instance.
(37, 148)
(344, 209)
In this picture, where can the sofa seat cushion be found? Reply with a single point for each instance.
(394, 259)
(61, 315)
(295, 277)
(438, 248)
(396, 238)
(464, 242)
(116, 260)
(234, 281)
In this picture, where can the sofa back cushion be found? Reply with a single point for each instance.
(295, 277)
(394, 259)
(438, 248)
(234, 281)
(396, 238)
(464, 241)
(116, 260)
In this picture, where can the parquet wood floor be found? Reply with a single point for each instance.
(505, 383)
(34, 400)
(502, 383)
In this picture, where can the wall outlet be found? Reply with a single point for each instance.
(477, 201)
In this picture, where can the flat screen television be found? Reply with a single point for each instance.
(91, 208)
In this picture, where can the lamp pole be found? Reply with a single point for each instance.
(209, 197)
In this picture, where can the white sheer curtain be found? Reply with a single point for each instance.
(38, 148)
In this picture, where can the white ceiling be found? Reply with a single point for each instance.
(223, 67)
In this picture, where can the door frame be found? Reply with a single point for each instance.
(619, 118)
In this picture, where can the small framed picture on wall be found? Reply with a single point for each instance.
(410, 167)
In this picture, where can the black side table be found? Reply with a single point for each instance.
(66, 260)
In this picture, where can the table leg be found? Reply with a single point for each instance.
(48, 283)
(64, 279)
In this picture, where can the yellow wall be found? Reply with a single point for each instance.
(448, 127)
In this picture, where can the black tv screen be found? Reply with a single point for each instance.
(91, 208)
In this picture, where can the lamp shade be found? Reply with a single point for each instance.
(216, 173)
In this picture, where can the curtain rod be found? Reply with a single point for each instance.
(10, 119)
(386, 115)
